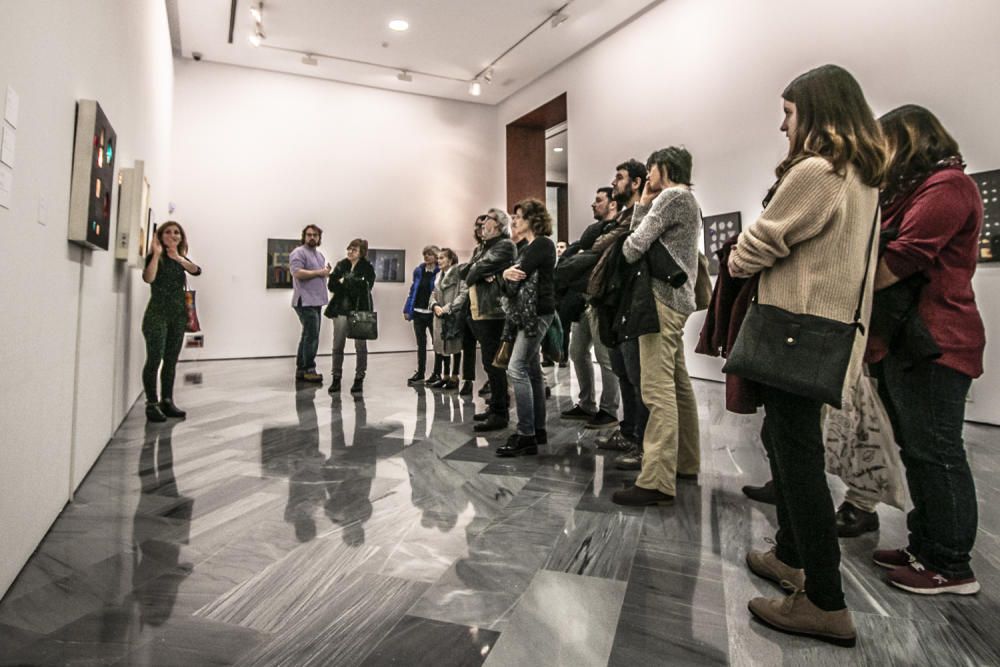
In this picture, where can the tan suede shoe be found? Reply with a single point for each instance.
(766, 564)
(796, 615)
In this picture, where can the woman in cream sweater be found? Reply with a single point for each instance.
(809, 247)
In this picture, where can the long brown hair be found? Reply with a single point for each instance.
(915, 141)
(182, 247)
(834, 122)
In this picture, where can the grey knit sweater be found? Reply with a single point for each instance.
(673, 219)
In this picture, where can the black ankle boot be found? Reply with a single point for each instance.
(466, 389)
(762, 494)
(358, 386)
(168, 408)
(852, 521)
(154, 414)
(334, 387)
(518, 445)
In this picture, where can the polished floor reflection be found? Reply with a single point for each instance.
(278, 526)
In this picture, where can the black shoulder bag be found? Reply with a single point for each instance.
(363, 324)
(805, 355)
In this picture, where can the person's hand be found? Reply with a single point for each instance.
(439, 311)
(735, 270)
(648, 194)
(514, 274)
(407, 316)
(325, 271)
(155, 247)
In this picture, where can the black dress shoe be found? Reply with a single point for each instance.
(466, 389)
(852, 521)
(168, 409)
(762, 494)
(358, 386)
(334, 387)
(518, 445)
(437, 384)
(154, 414)
(602, 419)
(433, 379)
(494, 422)
(637, 496)
(416, 378)
(576, 412)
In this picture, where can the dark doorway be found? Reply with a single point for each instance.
(526, 158)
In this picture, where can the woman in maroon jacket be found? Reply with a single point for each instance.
(935, 213)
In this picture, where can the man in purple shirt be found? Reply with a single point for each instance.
(309, 272)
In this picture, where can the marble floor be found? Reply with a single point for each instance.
(278, 526)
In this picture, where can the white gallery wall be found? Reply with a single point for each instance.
(72, 350)
(708, 74)
(260, 155)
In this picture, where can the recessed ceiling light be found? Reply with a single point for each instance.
(558, 149)
(399, 25)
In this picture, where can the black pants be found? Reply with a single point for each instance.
(488, 333)
(422, 324)
(625, 364)
(468, 352)
(807, 529)
(926, 406)
(164, 334)
(451, 363)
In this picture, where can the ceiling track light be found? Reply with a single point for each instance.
(475, 88)
(258, 37)
(309, 59)
(558, 19)
(488, 75)
(257, 11)
(404, 76)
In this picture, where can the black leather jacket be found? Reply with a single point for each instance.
(497, 254)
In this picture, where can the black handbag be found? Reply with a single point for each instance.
(363, 324)
(663, 266)
(805, 355)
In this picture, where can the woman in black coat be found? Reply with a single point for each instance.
(350, 287)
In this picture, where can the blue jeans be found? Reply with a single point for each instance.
(310, 317)
(926, 406)
(525, 374)
(625, 364)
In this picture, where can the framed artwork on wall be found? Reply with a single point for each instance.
(390, 265)
(133, 214)
(719, 229)
(279, 276)
(988, 183)
(94, 150)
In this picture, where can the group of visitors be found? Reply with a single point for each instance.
(815, 247)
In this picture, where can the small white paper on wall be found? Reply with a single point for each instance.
(8, 145)
(6, 185)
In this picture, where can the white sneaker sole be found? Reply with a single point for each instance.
(962, 589)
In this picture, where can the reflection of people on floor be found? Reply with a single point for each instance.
(162, 524)
(306, 491)
(348, 474)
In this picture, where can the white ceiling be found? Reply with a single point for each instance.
(450, 38)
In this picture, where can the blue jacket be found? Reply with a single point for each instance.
(418, 274)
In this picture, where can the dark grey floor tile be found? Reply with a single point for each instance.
(421, 642)
(597, 545)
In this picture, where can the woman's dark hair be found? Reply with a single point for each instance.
(182, 247)
(674, 163)
(361, 245)
(536, 215)
(835, 122)
(450, 254)
(315, 229)
(915, 141)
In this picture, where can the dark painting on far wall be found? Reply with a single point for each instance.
(279, 276)
(988, 183)
(718, 230)
(390, 265)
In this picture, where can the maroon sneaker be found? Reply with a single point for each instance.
(892, 558)
(916, 578)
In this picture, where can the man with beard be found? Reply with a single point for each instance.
(628, 182)
(572, 275)
(309, 272)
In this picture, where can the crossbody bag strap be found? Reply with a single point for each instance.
(864, 278)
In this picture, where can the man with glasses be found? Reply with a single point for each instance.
(309, 271)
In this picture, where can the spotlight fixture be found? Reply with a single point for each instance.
(558, 20)
(558, 149)
(257, 12)
(399, 25)
(488, 75)
(257, 37)
(308, 59)
(475, 89)
(404, 76)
